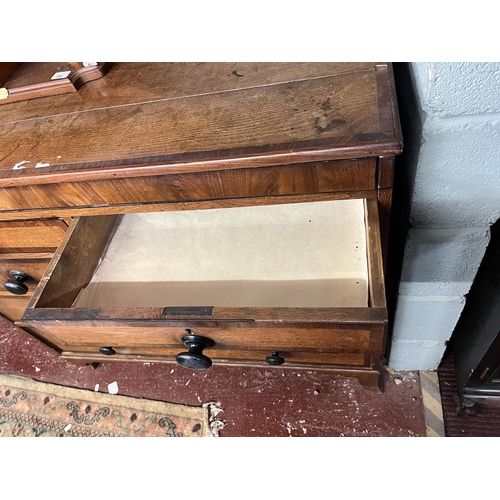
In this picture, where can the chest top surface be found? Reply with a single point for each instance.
(200, 115)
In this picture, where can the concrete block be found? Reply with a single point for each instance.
(416, 355)
(458, 88)
(442, 261)
(457, 178)
(426, 318)
(453, 171)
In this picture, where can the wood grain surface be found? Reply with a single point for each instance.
(159, 354)
(231, 335)
(31, 236)
(74, 261)
(323, 114)
(135, 82)
(341, 176)
(12, 307)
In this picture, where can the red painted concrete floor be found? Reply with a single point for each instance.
(256, 401)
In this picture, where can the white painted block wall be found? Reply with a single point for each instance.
(456, 198)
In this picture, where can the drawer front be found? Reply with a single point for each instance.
(26, 246)
(34, 267)
(12, 306)
(321, 344)
(167, 354)
(31, 236)
(343, 176)
(227, 336)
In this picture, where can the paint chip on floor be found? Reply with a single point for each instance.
(113, 388)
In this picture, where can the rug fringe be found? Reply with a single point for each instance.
(214, 408)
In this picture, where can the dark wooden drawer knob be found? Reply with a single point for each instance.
(16, 285)
(108, 351)
(194, 359)
(275, 359)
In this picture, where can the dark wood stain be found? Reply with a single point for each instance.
(329, 126)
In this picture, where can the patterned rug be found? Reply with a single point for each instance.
(29, 408)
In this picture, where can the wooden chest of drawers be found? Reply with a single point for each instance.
(262, 187)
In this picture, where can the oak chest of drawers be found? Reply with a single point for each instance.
(217, 212)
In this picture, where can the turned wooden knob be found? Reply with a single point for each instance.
(16, 285)
(275, 359)
(194, 359)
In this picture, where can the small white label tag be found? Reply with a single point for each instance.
(60, 74)
(88, 64)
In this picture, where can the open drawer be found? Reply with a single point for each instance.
(295, 283)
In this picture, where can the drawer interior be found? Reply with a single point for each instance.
(293, 255)
(307, 255)
(269, 280)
